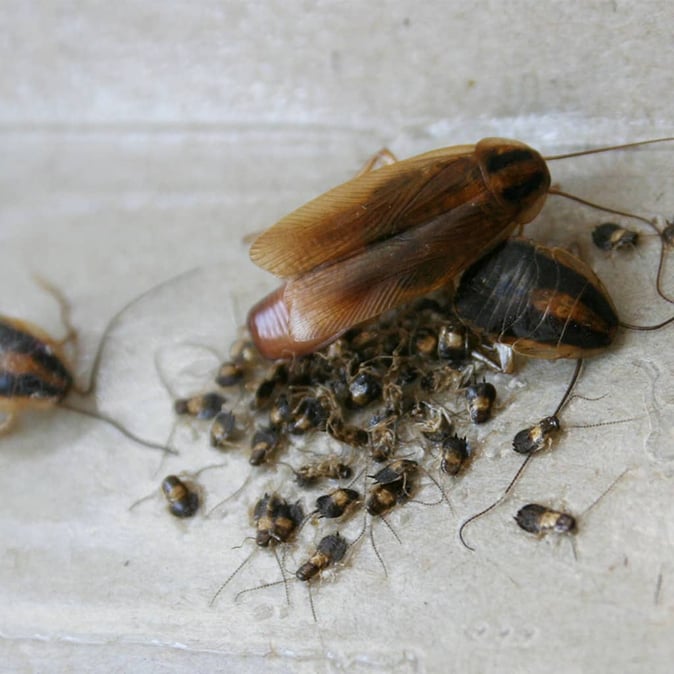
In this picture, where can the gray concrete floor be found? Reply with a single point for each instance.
(140, 143)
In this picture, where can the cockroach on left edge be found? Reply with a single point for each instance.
(35, 372)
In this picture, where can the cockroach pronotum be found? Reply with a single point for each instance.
(392, 234)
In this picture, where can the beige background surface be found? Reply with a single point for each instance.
(141, 140)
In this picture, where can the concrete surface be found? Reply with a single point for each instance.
(142, 140)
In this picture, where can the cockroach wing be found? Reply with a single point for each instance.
(325, 302)
(368, 209)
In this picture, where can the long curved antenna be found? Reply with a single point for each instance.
(626, 214)
(111, 323)
(117, 426)
(567, 394)
(494, 504)
(231, 576)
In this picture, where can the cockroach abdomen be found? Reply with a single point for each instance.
(542, 301)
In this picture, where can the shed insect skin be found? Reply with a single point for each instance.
(330, 468)
(428, 217)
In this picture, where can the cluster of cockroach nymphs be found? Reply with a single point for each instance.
(389, 403)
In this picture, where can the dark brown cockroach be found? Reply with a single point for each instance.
(330, 550)
(393, 234)
(381, 498)
(543, 302)
(310, 414)
(335, 503)
(610, 236)
(540, 520)
(453, 342)
(202, 406)
(480, 397)
(281, 411)
(363, 388)
(393, 484)
(264, 394)
(351, 435)
(398, 471)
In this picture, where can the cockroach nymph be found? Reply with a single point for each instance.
(223, 429)
(480, 399)
(535, 438)
(610, 236)
(382, 497)
(183, 500)
(230, 374)
(330, 550)
(264, 443)
(275, 519)
(202, 406)
(454, 454)
(538, 519)
(336, 503)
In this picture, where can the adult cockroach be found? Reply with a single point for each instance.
(543, 302)
(392, 234)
